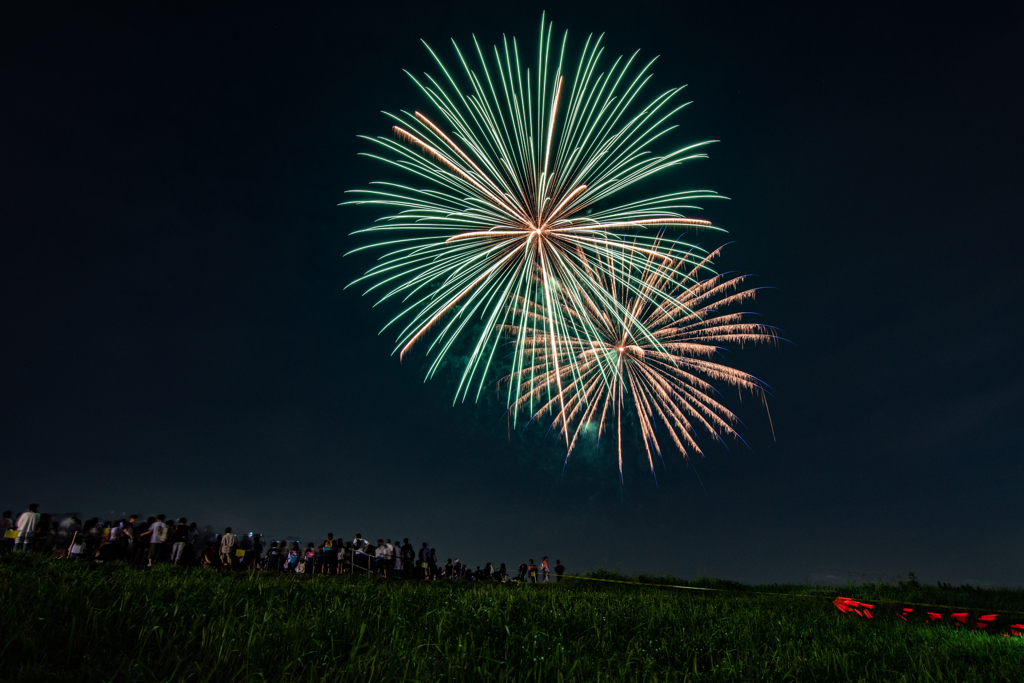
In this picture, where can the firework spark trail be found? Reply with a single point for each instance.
(658, 363)
(512, 171)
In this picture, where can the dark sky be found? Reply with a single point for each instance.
(176, 336)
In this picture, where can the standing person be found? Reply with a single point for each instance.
(142, 540)
(359, 554)
(6, 526)
(523, 567)
(254, 552)
(116, 539)
(273, 561)
(309, 559)
(378, 557)
(424, 558)
(194, 549)
(532, 571)
(257, 551)
(28, 522)
(245, 546)
(330, 551)
(157, 536)
(383, 558)
(345, 557)
(179, 539)
(559, 569)
(396, 562)
(544, 570)
(408, 558)
(227, 548)
(129, 536)
(389, 558)
(44, 534)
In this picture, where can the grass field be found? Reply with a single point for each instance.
(71, 622)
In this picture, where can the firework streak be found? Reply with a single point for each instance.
(658, 360)
(509, 233)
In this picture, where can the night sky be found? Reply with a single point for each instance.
(177, 336)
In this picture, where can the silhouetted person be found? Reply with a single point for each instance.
(142, 540)
(273, 560)
(330, 554)
(210, 554)
(128, 537)
(179, 539)
(309, 561)
(194, 547)
(6, 529)
(408, 558)
(257, 548)
(424, 560)
(559, 569)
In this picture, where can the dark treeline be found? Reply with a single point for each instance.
(163, 540)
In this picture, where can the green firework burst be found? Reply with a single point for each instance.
(502, 205)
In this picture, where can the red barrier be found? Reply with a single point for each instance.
(847, 605)
(983, 622)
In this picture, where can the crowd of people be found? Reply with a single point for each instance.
(160, 539)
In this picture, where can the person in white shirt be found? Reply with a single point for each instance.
(359, 554)
(157, 535)
(381, 558)
(389, 557)
(77, 549)
(227, 548)
(27, 523)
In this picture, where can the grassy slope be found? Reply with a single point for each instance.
(60, 621)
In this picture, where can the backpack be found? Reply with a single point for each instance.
(161, 533)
